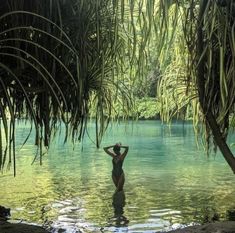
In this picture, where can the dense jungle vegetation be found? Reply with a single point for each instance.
(64, 61)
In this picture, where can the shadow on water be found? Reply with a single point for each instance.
(119, 201)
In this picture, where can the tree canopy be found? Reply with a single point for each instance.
(60, 59)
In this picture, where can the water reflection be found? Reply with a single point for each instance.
(119, 201)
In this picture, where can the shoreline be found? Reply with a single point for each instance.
(222, 227)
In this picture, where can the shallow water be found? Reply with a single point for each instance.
(169, 182)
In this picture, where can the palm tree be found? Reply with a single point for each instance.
(50, 73)
(93, 27)
(31, 47)
(208, 29)
(215, 69)
(100, 49)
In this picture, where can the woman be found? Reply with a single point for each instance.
(118, 158)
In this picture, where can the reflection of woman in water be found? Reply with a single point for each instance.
(118, 158)
(118, 204)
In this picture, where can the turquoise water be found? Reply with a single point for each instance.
(169, 182)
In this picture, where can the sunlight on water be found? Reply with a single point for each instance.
(169, 182)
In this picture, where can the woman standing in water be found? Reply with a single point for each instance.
(118, 158)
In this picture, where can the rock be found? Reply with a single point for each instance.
(4, 213)
(6, 227)
(216, 227)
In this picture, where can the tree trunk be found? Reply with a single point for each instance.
(220, 141)
(201, 71)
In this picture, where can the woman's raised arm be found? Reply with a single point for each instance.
(106, 149)
(125, 152)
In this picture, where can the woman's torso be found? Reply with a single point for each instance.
(117, 166)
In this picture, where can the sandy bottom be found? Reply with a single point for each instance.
(217, 227)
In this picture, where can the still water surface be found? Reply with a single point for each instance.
(169, 182)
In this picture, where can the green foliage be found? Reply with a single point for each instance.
(207, 28)
(147, 108)
(93, 27)
(32, 75)
(107, 58)
(52, 74)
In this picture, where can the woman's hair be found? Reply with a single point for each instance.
(117, 147)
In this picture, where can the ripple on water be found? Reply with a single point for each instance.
(71, 219)
(149, 226)
(168, 181)
(166, 212)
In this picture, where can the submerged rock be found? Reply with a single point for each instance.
(215, 227)
(6, 227)
(4, 213)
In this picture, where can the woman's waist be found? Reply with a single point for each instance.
(117, 170)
